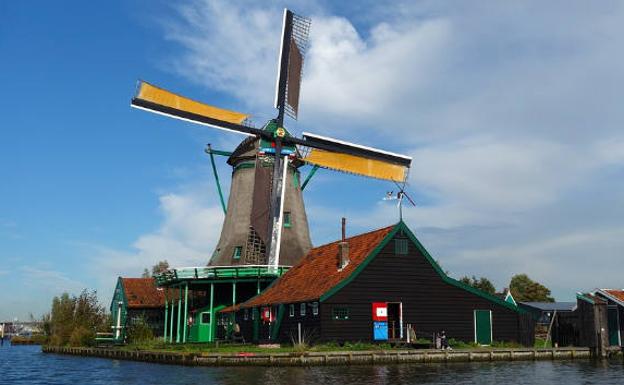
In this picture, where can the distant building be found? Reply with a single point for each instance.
(137, 299)
(378, 286)
(615, 313)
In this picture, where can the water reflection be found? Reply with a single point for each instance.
(27, 365)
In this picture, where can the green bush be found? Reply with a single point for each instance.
(82, 336)
(74, 320)
(139, 331)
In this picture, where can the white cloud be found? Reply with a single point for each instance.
(190, 228)
(512, 113)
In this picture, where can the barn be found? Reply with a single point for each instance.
(137, 299)
(378, 286)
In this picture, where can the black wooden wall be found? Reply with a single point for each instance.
(429, 304)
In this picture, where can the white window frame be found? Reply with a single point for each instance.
(302, 309)
(315, 308)
(291, 310)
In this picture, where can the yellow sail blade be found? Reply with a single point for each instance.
(372, 168)
(165, 98)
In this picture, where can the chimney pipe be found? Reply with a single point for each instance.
(343, 247)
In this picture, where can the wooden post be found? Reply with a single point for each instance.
(185, 312)
(212, 321)
(166, 316)
(179, 315)
(299, 332)
(171, 317)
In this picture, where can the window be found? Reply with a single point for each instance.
(400, 246)
(302, 309)
(246, 314)
(237, 252)
(291, 310)
(253, 313)
(287, 219)
(340, 313)
(315, 308)
(205, 318)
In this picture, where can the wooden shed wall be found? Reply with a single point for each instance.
(429, 304)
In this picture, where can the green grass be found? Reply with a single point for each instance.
(251, 348)
(539, 343)
(159, 345)
(32, 340)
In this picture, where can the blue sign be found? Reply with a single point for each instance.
(380, 331)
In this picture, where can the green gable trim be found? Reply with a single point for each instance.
(583, 297)
(362, 265)
(401, 226)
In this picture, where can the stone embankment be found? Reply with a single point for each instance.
(326, 358)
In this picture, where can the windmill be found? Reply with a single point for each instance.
(276, 154)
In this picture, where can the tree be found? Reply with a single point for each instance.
(75, 320)
(482, 283)
(158, 268)
(524, 289)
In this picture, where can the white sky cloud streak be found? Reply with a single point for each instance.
(512, 113)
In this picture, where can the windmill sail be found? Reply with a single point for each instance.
(292, 53)
(161, 101)
(352, 158)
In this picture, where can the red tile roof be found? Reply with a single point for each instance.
(615, 293)
(142, 292)
(317, 273)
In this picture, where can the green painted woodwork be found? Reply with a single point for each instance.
(216, 175)
(400, 246)
(185, 313)
(210, 150)
(483, 327)
(119, 297)
(256, 323)
(211, 333)
(272, 127)
(614, 327)
(275, 327)
(238, 250)
(585, 298)
(171, 320)
(209, 274)
(166, 316)
(178, 327)
(296, 179)
(310, 175)
(245, 165)
(287, 218)
(204, 331)
(401, 226)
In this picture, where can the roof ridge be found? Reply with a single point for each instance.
(357, 235)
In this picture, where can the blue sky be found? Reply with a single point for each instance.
(512, 113)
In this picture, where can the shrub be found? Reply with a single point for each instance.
(81, 336)
(139, 331)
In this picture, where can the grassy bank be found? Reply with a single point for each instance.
(158, 345)
(32, 340)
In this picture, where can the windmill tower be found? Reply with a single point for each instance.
(245, 231)
(265, 221)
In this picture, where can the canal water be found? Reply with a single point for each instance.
(27, 365)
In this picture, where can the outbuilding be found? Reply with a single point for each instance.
(378, 286)
(137, 300)
(615, 314)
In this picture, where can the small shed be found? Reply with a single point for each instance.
(137, 299)
(615, 313)
(377, 286)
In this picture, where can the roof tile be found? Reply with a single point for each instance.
(142, 292)
(318, 271)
